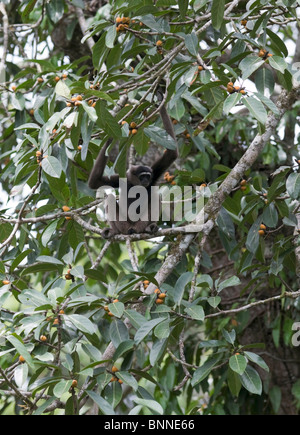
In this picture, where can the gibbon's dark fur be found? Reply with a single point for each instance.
(145, 176)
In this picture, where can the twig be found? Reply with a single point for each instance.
(5, 37)
(5, 244)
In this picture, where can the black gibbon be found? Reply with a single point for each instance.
(144, 176)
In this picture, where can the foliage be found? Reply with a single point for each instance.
(67, 294)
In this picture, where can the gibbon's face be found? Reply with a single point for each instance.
(140, 175)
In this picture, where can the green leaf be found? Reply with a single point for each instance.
(90, 111)
(48, 232)
(118, 332)
(62, 89)
(21, 349)
(161, 137)
(111, 36)
(123, 348)
(183, 7)
(293, 185)
(249, 65)
(264, 80)
(157, 350)
(238, 363)
(256, 108)
(278, 42)
(103, 405)
(214, 301)
(151, 404)
(267, 102)
(192, 43)
(29, 8)
(275, 397)
(19, 259)
(52, 166)
(278, 63)
(117, 309)
(181, 283)
(128, 379)
(234, 382)
(62, 387)
(230, 337)
(217, 13)
(231, 101)
(82, 323)
(257, 360)
(48, 259)
(230, 282)
(250, 380)
(196, 312)
(202, 372)
(162, 330)
(146, 328)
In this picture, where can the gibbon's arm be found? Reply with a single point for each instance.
(96, 178)
(169, 156)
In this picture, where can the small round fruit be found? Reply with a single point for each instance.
(244, 23)
(243, 188)
(132, 125)
(262, 52)
(114, 369)
(263, 227)
(43, 338)
(159, 43)
(106, 308)
(56, 321)
(115, 300)
(79, 147)
(261, 232)
(79, 98)
(40, 80)
(157, 291)
(66, 208)
(74, 383)
(65, 75)
(113, 379)
(5, 282)
(61, 312)
(77, 103)
(146, 282)
(200, 68)
(21, 359)
(134, 131)
(13, 88)
(162, 295)
(159, 301)
(243, 183)
(68, 276)
(120, 381)
(110, 314)
(57, 79)
(230, 87)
